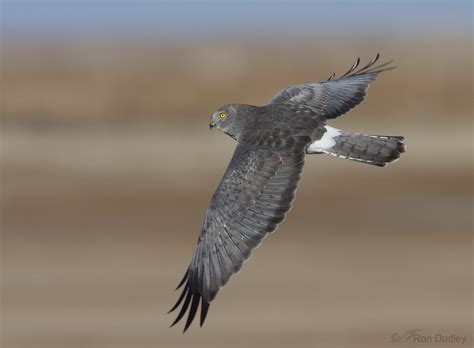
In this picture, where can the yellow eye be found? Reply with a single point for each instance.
(222, 115)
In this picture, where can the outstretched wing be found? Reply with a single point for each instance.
(253, 197)
(333, 97)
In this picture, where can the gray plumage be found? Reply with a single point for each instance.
(378, 150)
(259, 185)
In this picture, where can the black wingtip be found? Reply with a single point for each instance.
(180, 299)
(369, 68)
(368, 65)
(377, 70)
(353, 67)
(192, 311)
(376, 58)
(189, 295)
(191, 301)
(204, 309)
(333, 75)
(183, 280)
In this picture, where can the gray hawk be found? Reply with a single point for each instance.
(259, 185)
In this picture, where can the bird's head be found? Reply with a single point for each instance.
(232, 119)
(224, 117)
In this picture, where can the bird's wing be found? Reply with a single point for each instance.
(333, 97)
(253, 197)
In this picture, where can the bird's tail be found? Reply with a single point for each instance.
(377, 150)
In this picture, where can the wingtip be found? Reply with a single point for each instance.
(185, 306)
(192, 311)
(376, 58)
(204, 310)
(369, 68)
(180, 299)
(352, 68)
(185, 277)
(174, 323)
(191, 303)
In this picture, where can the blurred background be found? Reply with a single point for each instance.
(108, 165)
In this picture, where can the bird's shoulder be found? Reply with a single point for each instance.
(278, 129)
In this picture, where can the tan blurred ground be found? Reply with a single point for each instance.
(108, 167)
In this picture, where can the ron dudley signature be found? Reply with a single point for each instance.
(418, 336)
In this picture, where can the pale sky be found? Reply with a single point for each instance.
(212, 18)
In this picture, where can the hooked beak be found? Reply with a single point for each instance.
(211, 125)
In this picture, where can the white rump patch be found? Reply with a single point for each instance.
(326, 142)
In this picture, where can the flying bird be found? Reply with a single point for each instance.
(259, 185)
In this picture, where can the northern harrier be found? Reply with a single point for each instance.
(259, 184)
